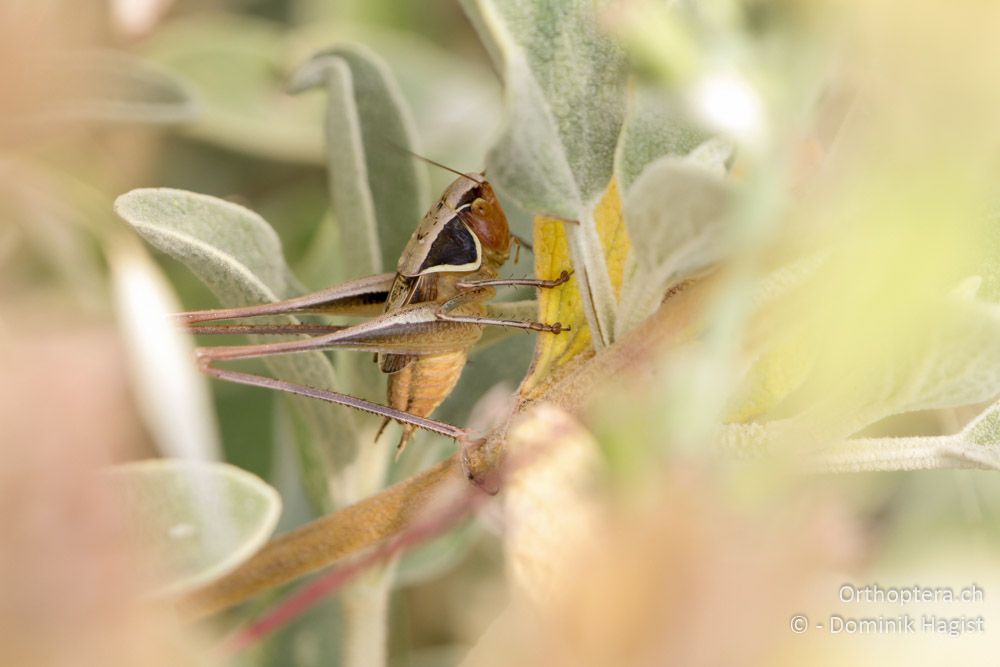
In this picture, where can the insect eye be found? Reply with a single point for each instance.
(479, 206)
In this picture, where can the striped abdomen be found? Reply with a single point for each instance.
(423, 384)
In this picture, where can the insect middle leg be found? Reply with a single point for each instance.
(445, 314)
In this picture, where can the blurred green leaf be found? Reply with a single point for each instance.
(525, 310)
(455, 101)
(238, 255)
(376, 190)
(350, 191)
(198, 520)
(655, 125)
(238, 67)
(436, 557)
(565, 109)
(122, 89)
(319, 267)
(288, 437)
(952, 361)
(50, 215)
(313, 639)
(677, 210)
(989, 268)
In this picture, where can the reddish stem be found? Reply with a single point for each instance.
(309, 595)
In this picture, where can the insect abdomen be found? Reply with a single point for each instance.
(423, 384)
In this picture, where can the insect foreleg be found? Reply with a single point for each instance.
(522, 242)
(528, 282)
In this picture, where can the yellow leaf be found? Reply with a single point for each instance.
(776, 373)
(613, 235)
(563, 304)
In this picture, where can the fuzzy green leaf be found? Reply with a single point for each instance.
(196, 520)
(350, 193)
(377, 191)
(238, 255)
(234, 250)
(565, 84)
(565, 80)
(952, 361)
(654, 126)
(456, 102)
(677, 208)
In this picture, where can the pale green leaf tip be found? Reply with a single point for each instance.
(315, 72)
(128, 206)
(124, 201)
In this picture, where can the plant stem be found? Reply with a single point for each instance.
(888, 454)
(366, 618)
(324, 541)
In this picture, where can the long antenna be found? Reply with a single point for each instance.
(436, 164)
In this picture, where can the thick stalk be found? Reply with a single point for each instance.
(324, 541)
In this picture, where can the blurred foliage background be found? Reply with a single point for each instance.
(251, 143)
(704, 562)
(75, 135)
